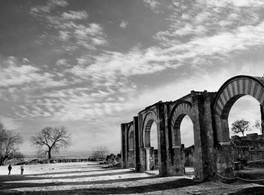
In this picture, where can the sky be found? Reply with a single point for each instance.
(90, 65)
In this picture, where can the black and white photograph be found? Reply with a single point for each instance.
(153, 97)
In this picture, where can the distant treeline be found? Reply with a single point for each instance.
(59, 160)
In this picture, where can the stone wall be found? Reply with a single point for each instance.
(209, 113)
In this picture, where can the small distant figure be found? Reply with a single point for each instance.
(9, 169)
(22, 169)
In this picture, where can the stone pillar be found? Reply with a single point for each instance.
(137, 148)
(198, 150)
(224, 165)
(142, 153)
(262, 119)
(162, 140)
(142, 156)
(147, 150)
(123, 146)
(218, 127)
(168, 133)
(178, 162)
(208, 124)
(225, 130)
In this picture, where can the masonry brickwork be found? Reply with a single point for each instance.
(208, 112)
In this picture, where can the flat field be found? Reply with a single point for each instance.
(91, 178)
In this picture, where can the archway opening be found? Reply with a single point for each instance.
(131, 149)
(151, 147)
(245, 132)
(154, 165)
(187, 145)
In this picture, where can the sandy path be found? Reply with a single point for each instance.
(90, 178)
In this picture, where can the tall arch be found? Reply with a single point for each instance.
(228, 94)
(149, 119)
(179, 111)
(151, 156)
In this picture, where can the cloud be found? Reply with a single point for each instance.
(152, 4)
(112, 69)
(74, 15)
(236, 3)
(48, 7)
(89, 36)
(61, 62)
(75, 103)
(10, 123)
(64, 35)
(205, 18)
(104, 87)
(72, 29)
(16, 73)
(123, 24)
(193, 40)
(155, 59)
(189, 29)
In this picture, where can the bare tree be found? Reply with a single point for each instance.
(8, 144)
(257, 124)
(240, 126)
(51, 139)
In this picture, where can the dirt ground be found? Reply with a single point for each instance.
(91, 178)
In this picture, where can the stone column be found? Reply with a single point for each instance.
(198, 150)
(208, 124)
(178, 162)
(123, 146)
(142, 153)
(168, 133)
(142, 157)
(224, 165)
(218, 127)
(225, 130)
(262, 119)
(137, 148)
(147, 150)
(161, 140)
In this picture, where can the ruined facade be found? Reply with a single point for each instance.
(209, 113)
(248, 148)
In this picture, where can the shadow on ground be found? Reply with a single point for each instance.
(36, 177)
(8, 186)
(251, 191)
(115, 190)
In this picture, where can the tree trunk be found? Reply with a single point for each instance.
(2, 160)
(49, 154)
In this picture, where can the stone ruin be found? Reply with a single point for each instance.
(209, 113)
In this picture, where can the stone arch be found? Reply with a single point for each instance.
(179, 111)
(147, 123)
(151, 160)
(228, 94)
